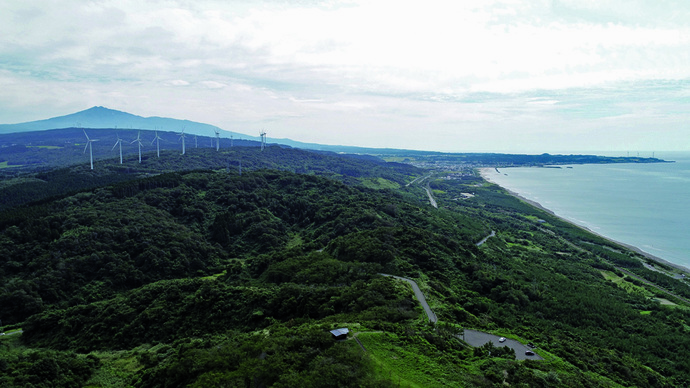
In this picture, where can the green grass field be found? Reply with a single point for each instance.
(379, 183)
(408, 363)
(46, 147)
(5, 165)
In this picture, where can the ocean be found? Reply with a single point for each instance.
(643, 205)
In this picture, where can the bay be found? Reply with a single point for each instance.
(644, 205)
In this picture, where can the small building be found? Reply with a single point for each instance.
(340, 334)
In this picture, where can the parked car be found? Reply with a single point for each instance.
(502, 339)
(529, 353)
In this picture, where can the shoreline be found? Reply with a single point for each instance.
(483, 172)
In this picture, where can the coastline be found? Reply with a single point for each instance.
(484, 174)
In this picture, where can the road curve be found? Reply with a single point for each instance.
(420, 297)
(479, 244)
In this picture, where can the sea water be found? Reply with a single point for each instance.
(644, 205)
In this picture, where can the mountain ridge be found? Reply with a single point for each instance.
(102, 117)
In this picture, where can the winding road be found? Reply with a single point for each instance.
(419, 295)
(474, 338)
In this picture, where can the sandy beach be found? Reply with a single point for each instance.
(485, 173)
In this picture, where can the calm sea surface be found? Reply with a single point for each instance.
(644, 205)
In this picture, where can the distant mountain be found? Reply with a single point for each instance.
(101, 117)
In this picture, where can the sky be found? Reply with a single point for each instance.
(459, 76)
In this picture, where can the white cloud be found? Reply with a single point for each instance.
(309, 65)
(213, 84)
(177, 82)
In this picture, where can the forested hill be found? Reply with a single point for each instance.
(21, 188)
(205, 278)
(49, 149)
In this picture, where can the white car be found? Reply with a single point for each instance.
(502, 339)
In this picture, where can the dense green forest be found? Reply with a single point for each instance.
(183, 272)
(20, 187)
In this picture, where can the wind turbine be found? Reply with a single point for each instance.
(158, 147)
(182, 138)
(231, 142)
(217, 139)
(138, 140)
(196, 142)
(119, 141)
(263, 139)
(88, 145)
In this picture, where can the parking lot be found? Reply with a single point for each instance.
(478, 338)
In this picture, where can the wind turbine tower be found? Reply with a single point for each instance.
(217, 139)
(88, 145)
(196, 143)
(119, 141)
(138, 140)
(158, 147)
(263, 139)
(182, 138)
(231, 142)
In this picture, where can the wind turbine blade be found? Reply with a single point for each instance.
(87, 136)
(118, 140)
(86, 146)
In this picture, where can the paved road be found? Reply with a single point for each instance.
(652, 284)
(420, 297)
(473, 337)
(418, 179)
(479, 338)
(479, 244)
(432, 201)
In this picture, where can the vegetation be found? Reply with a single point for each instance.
(195, 275)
